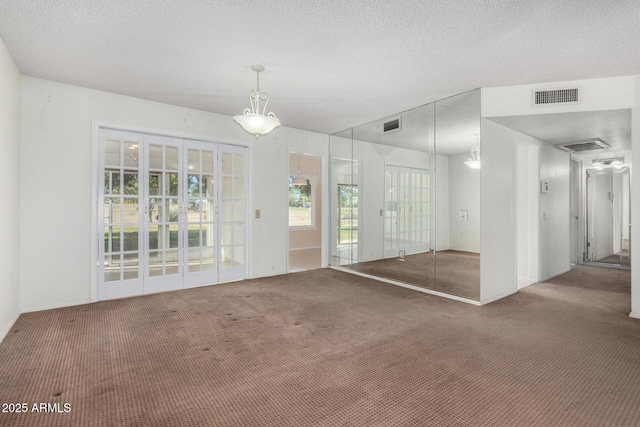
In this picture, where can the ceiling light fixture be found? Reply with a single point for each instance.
(252, 120)
(614, 162)
(474, 161)
(298, 180)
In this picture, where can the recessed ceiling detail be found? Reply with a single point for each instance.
(593, 144)
(555, 96)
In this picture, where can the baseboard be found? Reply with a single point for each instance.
(552, 275)
(302, 249)
(634, 315)
(405, 285)
(6, 328)
(523, 282)
(497, 297)
(58, 305)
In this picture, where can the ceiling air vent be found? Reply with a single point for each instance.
(392, 126)
(592, 144)
(555, 96)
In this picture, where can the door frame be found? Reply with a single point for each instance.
(96, 125)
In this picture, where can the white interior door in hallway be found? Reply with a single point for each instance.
(171, 213)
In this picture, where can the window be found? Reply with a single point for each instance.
(301, 210)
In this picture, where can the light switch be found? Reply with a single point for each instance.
(463, 215)
(257, 213)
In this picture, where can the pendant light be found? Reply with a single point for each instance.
(252, 120)
(298, 180)
(474, 161)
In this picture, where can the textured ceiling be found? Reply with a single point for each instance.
(330, 64)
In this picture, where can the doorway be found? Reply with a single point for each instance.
(608, 226)
(304, 212)
(171, 213)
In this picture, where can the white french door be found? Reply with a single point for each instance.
(159, 223)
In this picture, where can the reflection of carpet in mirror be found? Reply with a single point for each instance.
(457, 273)
(617, 259)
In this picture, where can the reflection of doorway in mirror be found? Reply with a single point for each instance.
(406, 211)
(608, 225)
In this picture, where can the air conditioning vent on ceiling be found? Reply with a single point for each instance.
(592, 144)
(392, 126)
(555, 96)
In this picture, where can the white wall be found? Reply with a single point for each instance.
(55, 174)
(10, 178)
(555, 212)
(528, 152)
(497, 212)
(464, 194)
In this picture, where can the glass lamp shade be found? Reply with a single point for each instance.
(473, 164)
(257, 124)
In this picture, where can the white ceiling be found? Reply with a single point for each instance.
(329, 64)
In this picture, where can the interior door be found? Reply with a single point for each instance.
(200, 208)
(163, 214)
(232, 217)
(120, 217)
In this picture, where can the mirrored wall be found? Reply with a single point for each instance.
(405, 197)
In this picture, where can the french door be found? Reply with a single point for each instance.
(406, 213)
(159, 222)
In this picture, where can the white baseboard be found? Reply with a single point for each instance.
(499, 296)
(6, 328)
(634, 315)
(552, 275)
(404, 285)
(302, 249)
(57, 305)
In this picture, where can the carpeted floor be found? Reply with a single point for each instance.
(452, 272)
(328, 348)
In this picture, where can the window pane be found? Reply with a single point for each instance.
(194, 236)
(131, 183)
(173, 236)
(238, 164)
(226, 187)
(130, 239)
(207, 234)
(111, 268)
(131, 154)
(193, 160)
(226, 211)
(238, 210)
(130, 270)
(112, 239)
(155, 184)
(238, 188)
(153, 237)
(226, 163)
(173, 183)
(171, 159)
(171, 260)
(130, 210)
(238, 256)
(112, 210)
(155, 156)
(208, 261)
(207, 162)
(111, 152)
(155, 263)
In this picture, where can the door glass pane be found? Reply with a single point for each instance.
(112, 210)
(194, 236)
(111, 268)
(207, 162)
(238, 210)
(131, 154)
(238, 256)
(112, 239)
(226, 187)
(111, 153)
(193, 186)
(173, 236)
(206, 210)
(238, 233)
(155, 156)
(131, 263)
(155, 263)
(130, 210)
(226, 213)
(153, 237)
(207, 234)
(171, 210)
(130, 238)
(227, 167)
(207, 259)
(238, 188)
(226, 235)
(193, 160)
(206, 186)
(155, 187)
(171, 160)
(173, 183)
(131, 183)
(238, 164)
(171, 262)
(194, 260)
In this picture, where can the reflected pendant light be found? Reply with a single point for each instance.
(252, 120)
(299, 180)
(474, 161)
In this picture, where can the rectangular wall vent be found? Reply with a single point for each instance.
(555, 96)
(592, 144)
(392, 125)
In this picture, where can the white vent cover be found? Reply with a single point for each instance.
(555, 96)
(592, 144)
(392, 126)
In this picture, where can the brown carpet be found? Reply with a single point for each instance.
(452, 272)
(328, 348)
